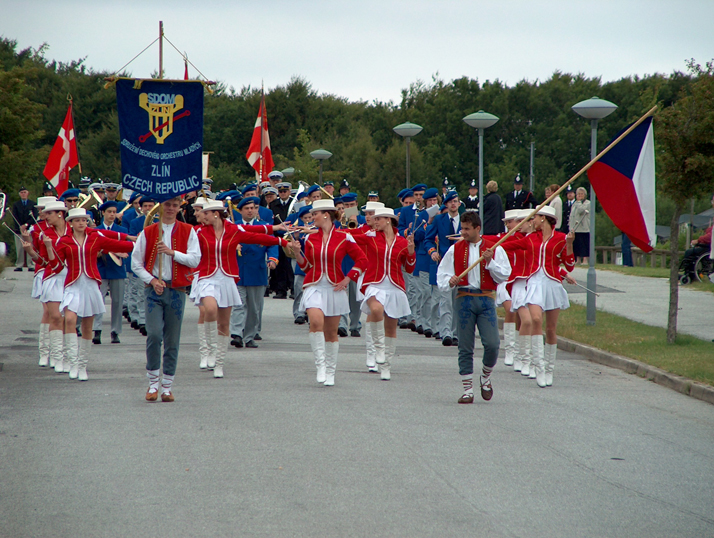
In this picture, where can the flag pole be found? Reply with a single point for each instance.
(556, 193)
(161, 206)
(74, 128)
(161, 49)
(262, 124)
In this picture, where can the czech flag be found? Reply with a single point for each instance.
(624, 181)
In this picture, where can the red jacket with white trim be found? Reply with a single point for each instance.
(220, 252)
(82, 258)
(548, 255)
(319, 258)
(385, 260)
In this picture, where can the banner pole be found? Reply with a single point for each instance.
(161, 49)
(556, 193)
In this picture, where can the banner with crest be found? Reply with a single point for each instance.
(161, 131)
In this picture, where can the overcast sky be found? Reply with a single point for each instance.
(369, 49)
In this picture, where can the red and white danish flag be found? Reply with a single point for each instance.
(259, 155)
(63, 156)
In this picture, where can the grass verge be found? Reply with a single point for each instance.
(689, 356)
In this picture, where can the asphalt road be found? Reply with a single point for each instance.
(266, 451)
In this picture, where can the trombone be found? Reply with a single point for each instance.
(89, 200)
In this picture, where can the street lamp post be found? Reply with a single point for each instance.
(480, 120)
(593, 109)
(407, 130)
(320, 155)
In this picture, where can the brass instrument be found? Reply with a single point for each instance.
(325, 192)
(89, 200)
(150, 215)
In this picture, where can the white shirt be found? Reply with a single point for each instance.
(557, 203)
(190, 258)
(499, 266)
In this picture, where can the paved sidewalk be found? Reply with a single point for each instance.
(647, 300)
(267, 451)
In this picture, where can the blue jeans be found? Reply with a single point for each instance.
(472, 312)
(164, 314)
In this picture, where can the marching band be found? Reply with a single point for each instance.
(405, 268)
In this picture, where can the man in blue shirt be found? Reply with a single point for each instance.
(253, 273)
(439, 237)
(113, 275)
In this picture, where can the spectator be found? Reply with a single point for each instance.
(699, 246)
(580, 224)
(492, 210)
(556, 203)
(23, 210)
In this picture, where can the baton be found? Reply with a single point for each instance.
(586, 289)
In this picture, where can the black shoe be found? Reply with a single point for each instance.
(292, 296)
(115, 338)
(420, 329)
(79, 332)
(412, 326)
(267, 293)
(281, 295)
(342, 331)
(428, 333)
(142, 330)
(97, 337)
(135, 325)
(455, 341)
(437, 335)
(18, 269)
(251, 344)
(257, 337)
(237, 341)
(446, 341)
(402, 324)
(355, 333)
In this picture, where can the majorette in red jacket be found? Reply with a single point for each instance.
(221, 252)
(55, 266)
(326, 259)
(549, 254)
(517, 258)
(82, 259)
(462, 262)
(38, 244)
(385, 260)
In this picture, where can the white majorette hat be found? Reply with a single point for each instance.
(199, 203)
(523, 213)
(373, 206)
(323, 205)
(386, 212)
(512, 214)
(54, 206)
(547, 211)
(42, 201)
(76, 213)
(212, 205)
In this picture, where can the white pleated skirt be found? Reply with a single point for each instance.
(83, 298)
(502, 294)
(194, 288)
(546, 292)
(53, 288)
(220, 286)
(394, 300)
(322, 295)
(518, 294)
(37, 284)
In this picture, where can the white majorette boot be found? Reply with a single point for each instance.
(509, 342)
(83, 358)
(525, 354)
(202, 346)
(538, 359)
(371, 353)
(378, 341)
(43, 345)
(518, 353)
(317, 343)
(331, 351)
(221, 350)
(69, 360)
(56, 353)
(550, 352)
(211, 328)
(390, 350)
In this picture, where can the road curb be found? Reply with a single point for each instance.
(683, 385)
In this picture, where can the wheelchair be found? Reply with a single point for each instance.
(696, 269)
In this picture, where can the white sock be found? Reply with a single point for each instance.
(467, 381)
(166, 382)
(153, 376)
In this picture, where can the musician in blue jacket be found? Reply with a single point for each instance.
(137, 300)
(113, 275)
(438, 242)
(423, 301)
(351, 320)
(254, 262)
